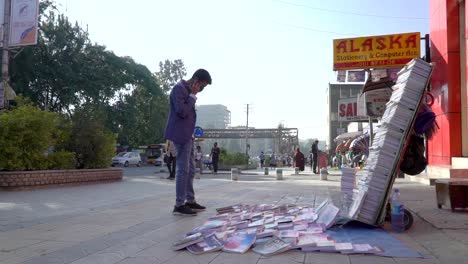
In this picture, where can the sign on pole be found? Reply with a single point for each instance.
(373, 103)
(348, 110)
(384, 51)
(23, 22)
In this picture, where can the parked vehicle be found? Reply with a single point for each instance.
(126, 159)
(153, 154)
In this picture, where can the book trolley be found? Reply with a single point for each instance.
(370, 196)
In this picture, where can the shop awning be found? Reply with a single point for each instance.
(346, 136)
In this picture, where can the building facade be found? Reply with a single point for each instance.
(448, 150)
(213, 116)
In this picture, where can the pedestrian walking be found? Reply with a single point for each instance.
(215, 151)
(315, 156)
(273, 160)
(199, 159)
(262, 159)
(179, 129)
(299, 161)
(170, 159)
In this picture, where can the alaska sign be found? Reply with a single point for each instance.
(386, 51)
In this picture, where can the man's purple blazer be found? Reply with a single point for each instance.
(182, 115)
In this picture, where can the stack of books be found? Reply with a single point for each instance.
(371, 192)
(348, 182)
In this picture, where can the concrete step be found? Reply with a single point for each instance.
(438, 172)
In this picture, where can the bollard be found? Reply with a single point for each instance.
(234, 174)
(323, 174)
(267, 171)
(197, 173)
(279, 174)
(296, 170)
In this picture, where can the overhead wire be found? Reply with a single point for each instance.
(349, 13)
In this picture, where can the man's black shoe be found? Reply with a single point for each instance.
(195, 207)
(170, 178)
(183, 210)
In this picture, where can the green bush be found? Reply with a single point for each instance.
(32, 139)
(232, 158)
(26, 134)
(61, 160)
(94, 147)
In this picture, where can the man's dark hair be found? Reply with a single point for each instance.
(202, 75)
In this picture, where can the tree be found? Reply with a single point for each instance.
(141, 116)
(65, 70)
(170, 72)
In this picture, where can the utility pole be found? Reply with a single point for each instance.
(5, 53)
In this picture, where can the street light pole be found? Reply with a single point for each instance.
(5, 53)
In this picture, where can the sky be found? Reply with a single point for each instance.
(276, 56)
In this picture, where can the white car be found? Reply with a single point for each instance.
(126, 159)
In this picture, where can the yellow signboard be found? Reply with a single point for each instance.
(384, 51)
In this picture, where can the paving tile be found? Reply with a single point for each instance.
(160, 253)
(101, 258)
(369, 259)
(130, 247)
(138, 260)
(28, 252)
(429, 260)
(293, 257)
(188, 258)
(233, 258)
(326, 258)
(9, 244)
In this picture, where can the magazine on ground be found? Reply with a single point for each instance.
(327, 215)
(187, 241)
(209, 244)
(272, 246)
(239, 243)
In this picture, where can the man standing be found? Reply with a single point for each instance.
(215, 157)
(315, 156)
(179, 129)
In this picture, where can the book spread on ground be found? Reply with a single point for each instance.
(272, 246)
(270, 229)
(209, 244)
(328, 215)
(187, 241)
(239, 243)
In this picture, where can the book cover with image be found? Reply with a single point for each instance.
(187, 241)
(239, 243)
(209, 244)
(272, 246)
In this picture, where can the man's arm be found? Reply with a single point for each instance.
(183, 102)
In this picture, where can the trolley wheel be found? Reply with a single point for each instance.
(408, 219)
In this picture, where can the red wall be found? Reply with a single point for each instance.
(445, 54)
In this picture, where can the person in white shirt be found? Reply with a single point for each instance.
(171, 159)
(199, 159)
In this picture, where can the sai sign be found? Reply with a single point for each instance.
(348, 110)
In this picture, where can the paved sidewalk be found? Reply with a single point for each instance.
(131, 221)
